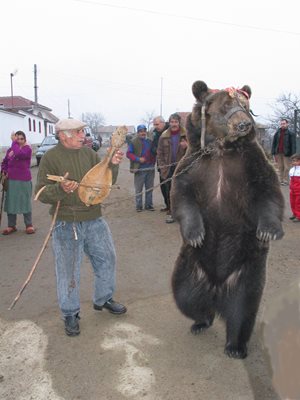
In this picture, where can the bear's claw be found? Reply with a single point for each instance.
(265, 235)
(197, 242)
(238, 352)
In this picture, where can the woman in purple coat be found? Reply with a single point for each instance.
(16, 168)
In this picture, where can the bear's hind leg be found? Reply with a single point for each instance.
(240, 311)
(192, 291)
(201, 325)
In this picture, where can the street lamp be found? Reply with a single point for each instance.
(12, 74)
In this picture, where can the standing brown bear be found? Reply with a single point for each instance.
(227, 199)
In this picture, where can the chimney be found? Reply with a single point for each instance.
(35, 87)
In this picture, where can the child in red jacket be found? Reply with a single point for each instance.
(295, 188)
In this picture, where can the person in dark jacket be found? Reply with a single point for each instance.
(160, 126)
(283, 147)
(142, 165)
(171, 148)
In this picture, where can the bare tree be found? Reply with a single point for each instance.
(147, 120)
(94, 121)
(284, 107)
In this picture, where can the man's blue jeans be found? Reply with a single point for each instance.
(69, 241)
(141, 179)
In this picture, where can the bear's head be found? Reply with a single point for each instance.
(220, 114)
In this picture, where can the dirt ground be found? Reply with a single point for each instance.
(148, 353)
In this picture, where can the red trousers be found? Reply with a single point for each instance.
(295, 203)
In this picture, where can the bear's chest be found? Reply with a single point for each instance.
(223, 184)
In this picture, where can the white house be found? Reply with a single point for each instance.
(19, 113)
(9, 122)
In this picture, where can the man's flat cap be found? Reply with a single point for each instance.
(69, 124)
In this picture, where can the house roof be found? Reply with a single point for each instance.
(109, 129)
(19, 102)
(261, 126)
(183, 115)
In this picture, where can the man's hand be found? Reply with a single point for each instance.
(69, 186)
(142, 160)
(117, 157)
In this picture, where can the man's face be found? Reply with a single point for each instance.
(142, 134)
(158, 125)
(174, 124)
(283, 124)
(75, 141)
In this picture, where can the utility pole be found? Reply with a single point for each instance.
(11, 90)
(69, 112)
(161, 94)
(35, 87)
(12, 74)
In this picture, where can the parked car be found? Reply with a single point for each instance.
(91, 142)
(48, 143)
(96, 144)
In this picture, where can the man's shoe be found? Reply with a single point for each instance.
(292, 217)
(150, 208)
(112, 306)
(72, 325)
(296, 220)
(139, 209)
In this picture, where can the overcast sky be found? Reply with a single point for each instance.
(111, 56)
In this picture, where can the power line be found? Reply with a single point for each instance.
(209, 21)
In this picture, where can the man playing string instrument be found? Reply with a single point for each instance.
(79, 228)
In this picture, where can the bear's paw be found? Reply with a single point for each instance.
(238, 352)
(266, 232)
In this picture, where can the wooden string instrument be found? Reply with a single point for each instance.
(96, 184)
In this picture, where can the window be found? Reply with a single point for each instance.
(34, 125)
(29, 124)
(40, 127)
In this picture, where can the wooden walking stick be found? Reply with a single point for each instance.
(3, 178)
(41, 251)
(1, 206)
(38, 257)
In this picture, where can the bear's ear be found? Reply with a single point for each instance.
(247, 89)
(200, 90)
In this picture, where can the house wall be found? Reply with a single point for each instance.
(35, 128)
(9, 123)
